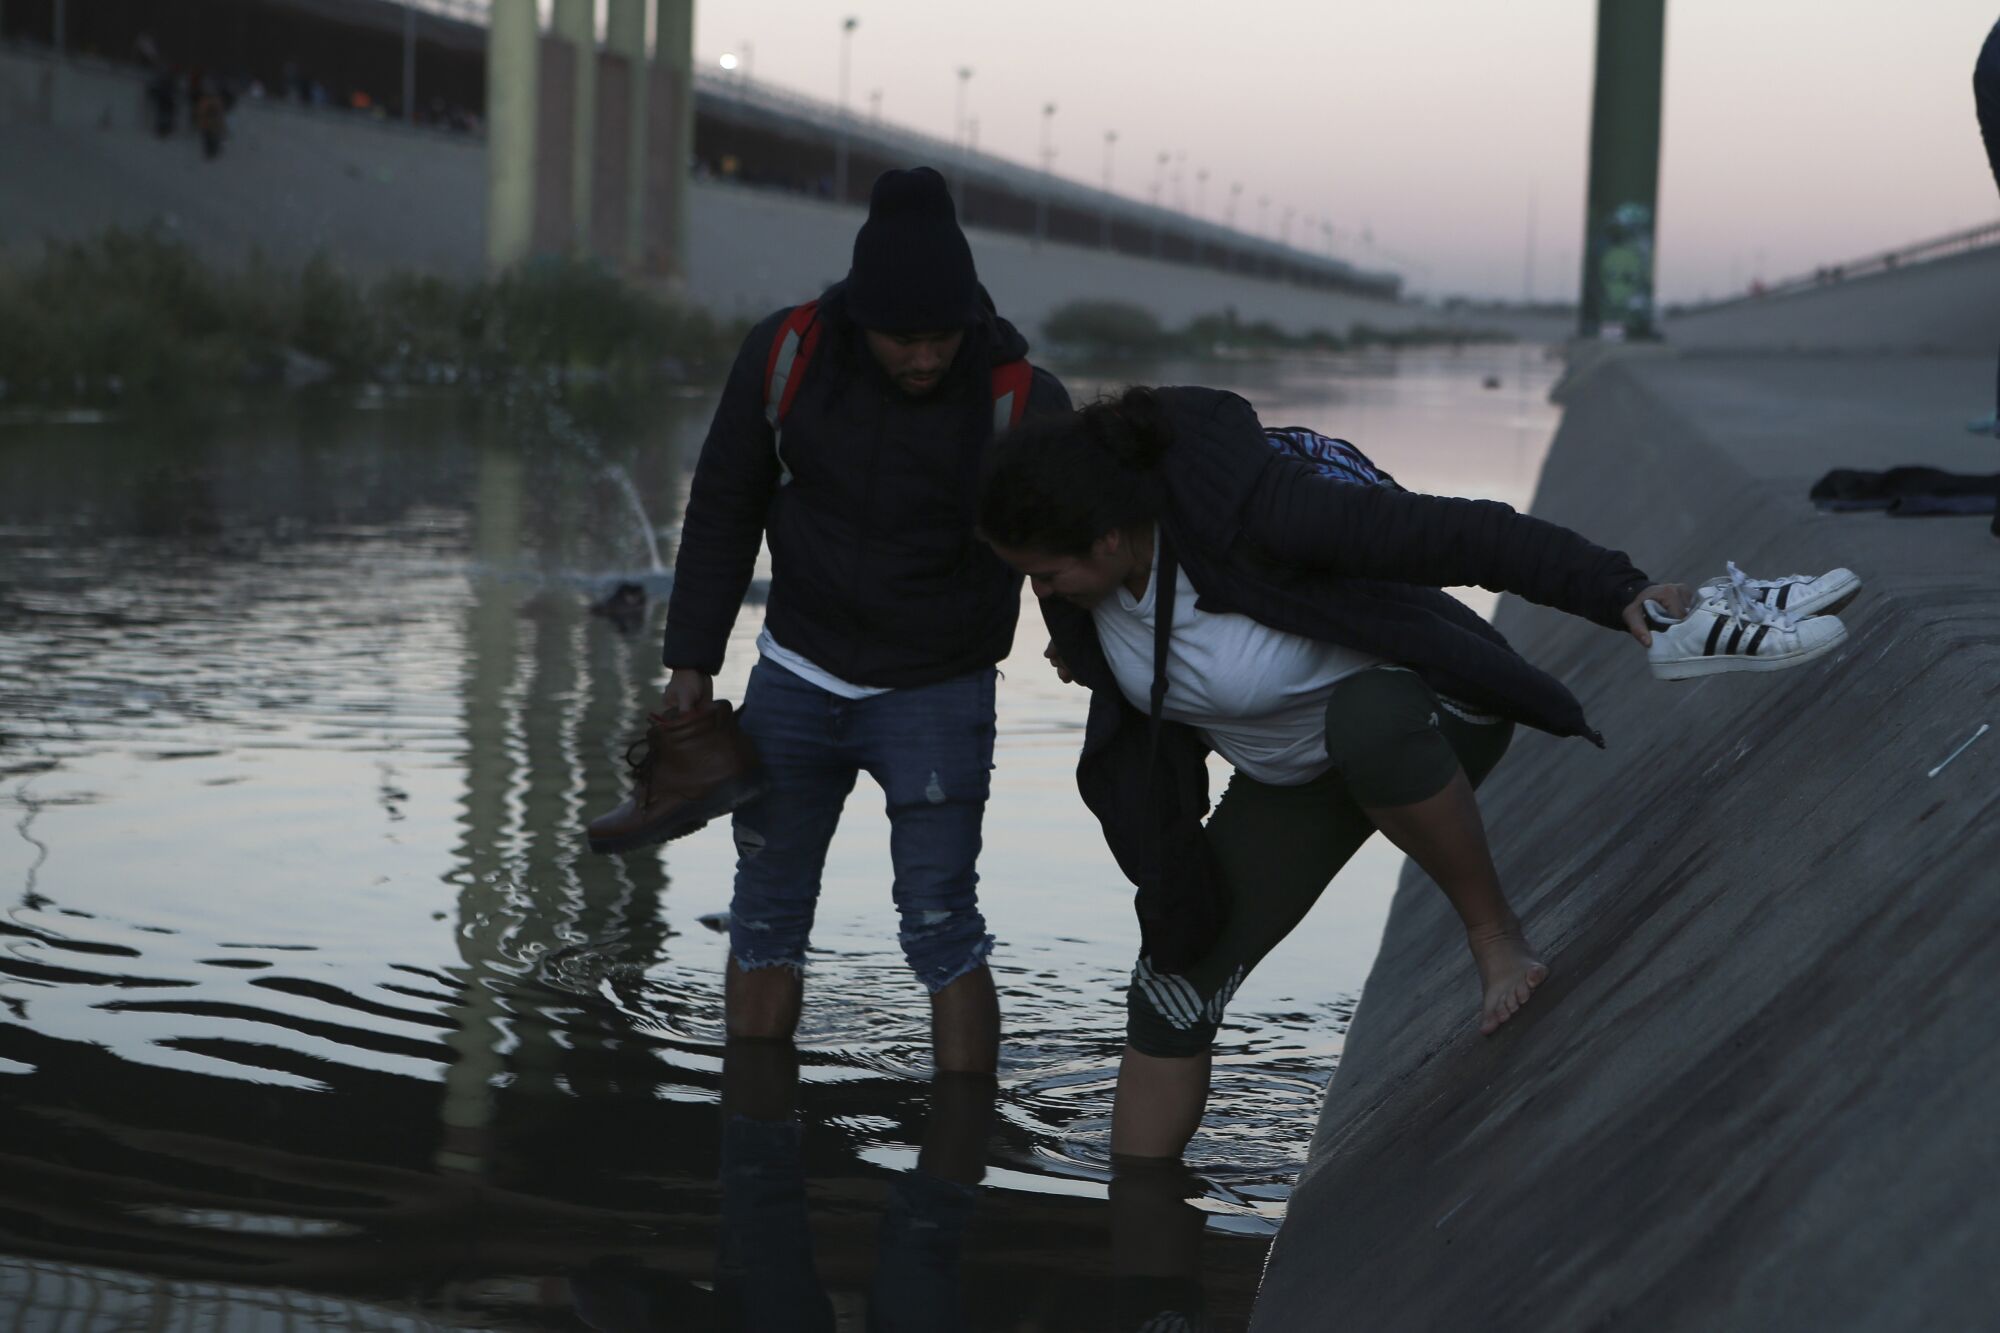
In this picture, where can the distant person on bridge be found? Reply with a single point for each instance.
(1273, 597)
(849, 437)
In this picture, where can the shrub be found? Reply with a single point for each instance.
(1105, 326)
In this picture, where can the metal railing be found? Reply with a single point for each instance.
(1828, 275)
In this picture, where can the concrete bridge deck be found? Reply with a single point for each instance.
(1757, 1091)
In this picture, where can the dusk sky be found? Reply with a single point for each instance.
(1797, 132)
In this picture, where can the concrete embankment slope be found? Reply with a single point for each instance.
(1758, 1091)
(1944, 305)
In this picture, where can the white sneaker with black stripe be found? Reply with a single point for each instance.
(1800, 594)
(1730, 631)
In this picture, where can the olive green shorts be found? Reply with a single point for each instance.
(1392, 742)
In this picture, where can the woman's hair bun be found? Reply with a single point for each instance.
(1132, 428)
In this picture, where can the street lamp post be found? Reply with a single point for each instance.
(1229, 210)
(959, 133)
(1104, 216)
(1201, 192)
(847, 27)
(1048, 173)
(875, 105)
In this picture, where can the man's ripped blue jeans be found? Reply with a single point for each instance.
(930, 749)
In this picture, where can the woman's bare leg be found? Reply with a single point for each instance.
(1159, 1103)
(1445, 835)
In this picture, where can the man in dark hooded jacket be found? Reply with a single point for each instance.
(886, 615)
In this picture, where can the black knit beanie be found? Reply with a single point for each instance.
(912, 269)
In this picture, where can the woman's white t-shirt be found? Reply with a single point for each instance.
(1257, 695)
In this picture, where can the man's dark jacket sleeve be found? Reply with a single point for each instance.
(724, 522)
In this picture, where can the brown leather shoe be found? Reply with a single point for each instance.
(688, 768)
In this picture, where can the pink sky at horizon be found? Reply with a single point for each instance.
(1796, 132)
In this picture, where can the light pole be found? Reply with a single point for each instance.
(1104, 213)
(1180, 165)
(1160, 176)
(1229, 210)
(847, 26)
(958, 123)
(1263, 209)
(875, 105)
(1200, 191)
(1048, 172)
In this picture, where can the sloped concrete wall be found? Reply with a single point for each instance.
(1946, 305)
(1757, 1091)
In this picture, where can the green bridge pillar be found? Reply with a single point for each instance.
(1622, 212)
(576, 22)
(673, 53)
(512, 57)
(625, 35)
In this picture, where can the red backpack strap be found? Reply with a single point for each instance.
(1011, 382)
(785, 370)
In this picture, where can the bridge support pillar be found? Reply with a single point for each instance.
(625, 37)
(667, 182)
(575, 21)
(512, 59)
(1620, 218)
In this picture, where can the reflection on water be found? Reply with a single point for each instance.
(314, 1010)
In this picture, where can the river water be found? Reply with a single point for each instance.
(315, 1011)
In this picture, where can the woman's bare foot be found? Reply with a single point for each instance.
(1508, 972)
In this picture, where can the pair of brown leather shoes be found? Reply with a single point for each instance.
(688, 768)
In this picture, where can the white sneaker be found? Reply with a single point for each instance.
(1727, 632)
(1800, 594)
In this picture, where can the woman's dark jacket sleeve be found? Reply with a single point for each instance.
(1298, 517)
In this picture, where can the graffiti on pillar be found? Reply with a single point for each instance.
(1625, 270)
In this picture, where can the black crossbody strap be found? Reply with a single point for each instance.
(1166, 575)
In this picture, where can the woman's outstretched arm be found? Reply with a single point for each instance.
(1298, 517)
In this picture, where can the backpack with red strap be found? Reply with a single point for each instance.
(792, 351)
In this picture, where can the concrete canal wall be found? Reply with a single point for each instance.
(1757, 1091)
(1944, 305)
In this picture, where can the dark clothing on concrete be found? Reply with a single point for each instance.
(876, 575)
(1264, 534)
(1392, 743)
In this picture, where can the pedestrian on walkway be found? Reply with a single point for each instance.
(848, 438)
(1216, 594)
(211, 119)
